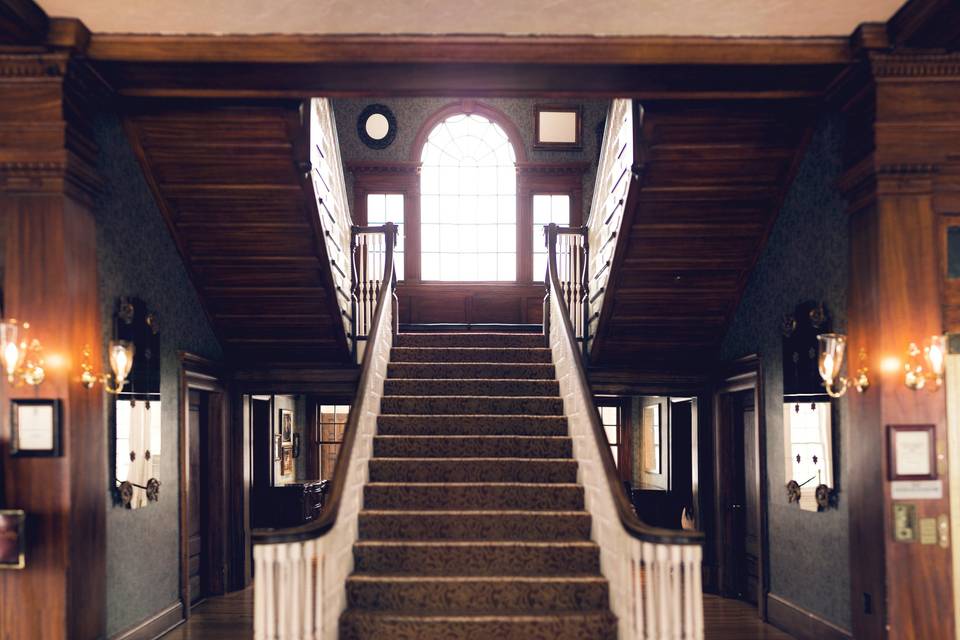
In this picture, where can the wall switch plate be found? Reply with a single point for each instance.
(904, 522)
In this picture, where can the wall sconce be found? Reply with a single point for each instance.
(832, 347)
(915, 376)
(22, 359)
(121, 354)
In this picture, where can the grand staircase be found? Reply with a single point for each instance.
(473, 525)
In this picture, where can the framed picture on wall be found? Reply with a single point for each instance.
(35, 427)
(286, 425)
(286, 461)
(912, 451)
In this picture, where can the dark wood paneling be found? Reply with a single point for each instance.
(711, 184)
(892, 184)
(228, 181)
(22, 22)
(49, 230)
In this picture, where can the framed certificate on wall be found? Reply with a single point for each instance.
(35, 427)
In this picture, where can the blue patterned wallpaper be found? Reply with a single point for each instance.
(136, 256)
(806, 258)
(411, 113)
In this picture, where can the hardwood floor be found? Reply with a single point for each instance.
(735, 620)
(228, 617)
(231, 617)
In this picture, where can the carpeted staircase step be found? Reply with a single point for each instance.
(470, 354)
(473, 470)
(474, 525)
(483, 405)
(476, 558)
(480, 594)
(472, 425)
(472, 446)
(473, 496)
(525, 371)
(470, 387)
(470, 339)
(357, 624)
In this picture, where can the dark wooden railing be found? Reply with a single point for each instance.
(301, 572)
(654, 573)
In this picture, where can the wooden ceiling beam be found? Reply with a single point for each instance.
(621, 50)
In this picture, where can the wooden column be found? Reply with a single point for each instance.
(47, 183)
(903, 111)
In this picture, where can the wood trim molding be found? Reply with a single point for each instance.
(800, 623)
(470, 107)
(383, 168)
(614, 50)
(154, 626)
(22, 22)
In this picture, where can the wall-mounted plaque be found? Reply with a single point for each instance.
(35, 427)
(12, 539)
(912, 451)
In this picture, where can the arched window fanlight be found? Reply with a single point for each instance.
(468, 210)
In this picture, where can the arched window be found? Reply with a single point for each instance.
(468, 206)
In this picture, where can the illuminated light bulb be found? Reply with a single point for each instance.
(11, 351)
(121, 361)
(890, 364)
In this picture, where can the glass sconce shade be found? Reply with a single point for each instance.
(832, 347)
(11, 352)
(121, 360)
(936, 355)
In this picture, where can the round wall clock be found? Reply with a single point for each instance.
(377, 126)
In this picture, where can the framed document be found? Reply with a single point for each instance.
(12, 539)
(35, 427)
(912, 451)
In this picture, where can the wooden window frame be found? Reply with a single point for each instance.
(532, 179)
(624, 424)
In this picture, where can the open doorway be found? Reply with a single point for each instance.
(739, 537)
(205, 483)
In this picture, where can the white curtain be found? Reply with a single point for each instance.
(139, 471)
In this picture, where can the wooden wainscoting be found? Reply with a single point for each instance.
(469, 303)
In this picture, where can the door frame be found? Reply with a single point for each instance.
(744, 374)
(200, 374)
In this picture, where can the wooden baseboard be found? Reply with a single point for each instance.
(800, 623)
(154, 626)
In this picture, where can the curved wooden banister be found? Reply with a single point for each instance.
(628, 517)
(331, 507)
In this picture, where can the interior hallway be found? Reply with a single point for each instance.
(231, 617)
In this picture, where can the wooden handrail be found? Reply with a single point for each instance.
(628, 517)
(328, 515)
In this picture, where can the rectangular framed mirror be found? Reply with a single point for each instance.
(808, 451)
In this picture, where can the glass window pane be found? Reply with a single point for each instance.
(430, 266)
(487, 266)
(506, 266)
(539, 266)
(394, 207)
(507, 238)
(611, 433)
(375, 208)
(561, 209)
(541, 209)
(471, 164)
(429, 208)
(430, 237)
(616, 452)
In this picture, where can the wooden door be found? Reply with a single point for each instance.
(746, 422)
(196, 511)
(738, 497)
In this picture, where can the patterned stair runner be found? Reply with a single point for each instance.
(473, 525)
